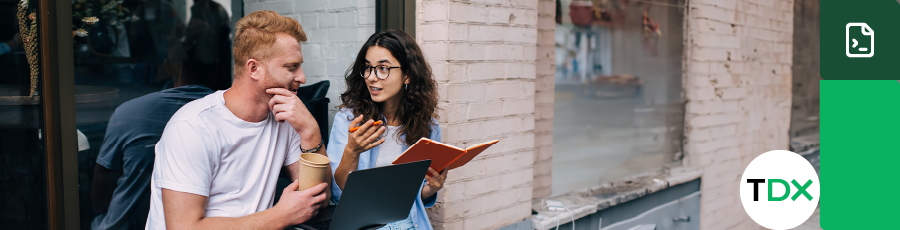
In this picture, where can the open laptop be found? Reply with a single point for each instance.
(373, 197)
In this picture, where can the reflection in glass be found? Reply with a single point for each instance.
(618, 109)
(23, 197)
(138, 63)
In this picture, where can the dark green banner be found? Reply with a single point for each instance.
(860, 40)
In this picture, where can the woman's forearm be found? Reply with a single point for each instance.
(349, 162)
(427, 192)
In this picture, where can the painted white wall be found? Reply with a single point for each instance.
(335, 31)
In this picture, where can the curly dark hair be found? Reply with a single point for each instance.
(418, 106)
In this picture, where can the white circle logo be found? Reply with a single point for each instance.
(779, 189)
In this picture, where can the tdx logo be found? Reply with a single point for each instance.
(801, 189)
(779, 189)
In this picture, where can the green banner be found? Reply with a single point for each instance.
(859, 39)
(860, 154)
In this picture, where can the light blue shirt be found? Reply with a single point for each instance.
(337, 142)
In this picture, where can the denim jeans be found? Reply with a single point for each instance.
(406, 224)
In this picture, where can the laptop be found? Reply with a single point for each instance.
(372, 198)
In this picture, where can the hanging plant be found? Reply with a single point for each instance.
(88, 20)
(80, 33)
(90, 17)
(110, 11)
(28, 31)
(651, 33)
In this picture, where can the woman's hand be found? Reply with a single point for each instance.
(434, 183)
(364, 138)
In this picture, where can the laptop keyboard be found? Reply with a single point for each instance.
(316, 225)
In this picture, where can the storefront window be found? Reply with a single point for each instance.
(618, 107)
(136, 63)
(23, 196)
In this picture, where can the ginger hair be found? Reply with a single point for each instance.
(255, 36)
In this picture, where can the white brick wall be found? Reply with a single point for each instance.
(544, 86)
(738, 87)
(484, 57)
(335, 30)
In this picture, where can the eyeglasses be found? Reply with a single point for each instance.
(381, 72)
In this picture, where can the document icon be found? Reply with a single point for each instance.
(860, 42)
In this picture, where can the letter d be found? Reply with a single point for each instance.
(787, 190)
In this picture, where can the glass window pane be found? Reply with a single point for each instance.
(23, 196)
(618, 109)
(134, 67)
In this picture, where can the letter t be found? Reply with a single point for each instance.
(756, 187)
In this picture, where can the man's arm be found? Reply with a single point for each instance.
(287, 107)
(310, 138)
(314, 138)
(186, 211)
(103, 187)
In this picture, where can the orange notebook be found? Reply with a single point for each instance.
(441, 155)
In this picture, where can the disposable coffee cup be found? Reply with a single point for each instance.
(313, 170)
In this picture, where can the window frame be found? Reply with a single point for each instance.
(58, 104)
(396, 14)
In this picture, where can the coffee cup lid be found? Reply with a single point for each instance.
(314, 159)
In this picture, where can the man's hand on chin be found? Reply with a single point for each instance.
(300, 206)
(288, 107)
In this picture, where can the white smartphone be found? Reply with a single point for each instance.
(555, 206)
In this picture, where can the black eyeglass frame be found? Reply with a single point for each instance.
(370, 69)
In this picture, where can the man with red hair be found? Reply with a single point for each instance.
(218, 160)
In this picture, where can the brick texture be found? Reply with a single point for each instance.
(737, 83)
(335, 32)
(544, 84)
(484, 57)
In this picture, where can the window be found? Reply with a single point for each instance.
(618, 107)
(132, 50)
(396, 14)
(23, 173)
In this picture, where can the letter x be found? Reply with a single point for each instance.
(801, 190)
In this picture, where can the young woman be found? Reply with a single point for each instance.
(389, 82)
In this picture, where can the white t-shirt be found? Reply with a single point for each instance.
(207, 150)
(390, 149)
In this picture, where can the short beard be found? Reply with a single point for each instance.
(268, 83)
